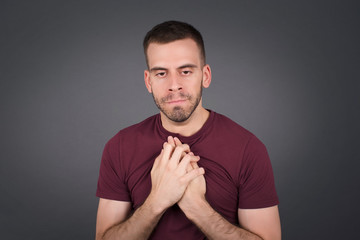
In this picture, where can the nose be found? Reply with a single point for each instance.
(174, 84)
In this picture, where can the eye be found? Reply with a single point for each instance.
(186, 72)
(160, 74)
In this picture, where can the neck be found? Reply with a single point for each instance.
(188, 127)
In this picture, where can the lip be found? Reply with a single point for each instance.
(178, 101)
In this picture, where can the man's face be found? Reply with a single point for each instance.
(175, 78)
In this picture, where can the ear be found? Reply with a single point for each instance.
(147, 80)
(206, 76)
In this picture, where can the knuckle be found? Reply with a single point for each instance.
(185, 157)
(186, 146)
(195, 172)
(183, 181)
(183, 147)
(169, 168)
(166, 145)
(179, 148)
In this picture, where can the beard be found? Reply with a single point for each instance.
(178, 113)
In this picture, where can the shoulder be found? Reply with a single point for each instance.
(133, 131)
(225, 125)
(235, 134)
(140, 127)
(252, 148)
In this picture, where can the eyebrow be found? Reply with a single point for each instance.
(157, 69)
(181, 67)
(187, 66)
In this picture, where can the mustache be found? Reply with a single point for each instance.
(171, 96)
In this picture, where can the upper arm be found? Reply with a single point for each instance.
(265, 222)
(110, 212)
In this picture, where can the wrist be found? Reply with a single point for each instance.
(196, 209)
(155, 206)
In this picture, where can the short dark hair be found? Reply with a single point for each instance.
(170, 31)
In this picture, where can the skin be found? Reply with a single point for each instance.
(175, 77)
(169, 179)
(174, 69)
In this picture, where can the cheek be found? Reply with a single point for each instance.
(196, 86)
(157, 91)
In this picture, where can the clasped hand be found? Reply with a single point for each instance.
(175, 176)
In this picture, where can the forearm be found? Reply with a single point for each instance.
(214, 226)
(138, 226)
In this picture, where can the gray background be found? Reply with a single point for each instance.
(72, 76)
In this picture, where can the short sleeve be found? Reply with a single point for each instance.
(110, 183)
(257, 187)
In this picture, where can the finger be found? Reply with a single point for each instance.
(157, 159)
(178, 152)
(185, 165)
(171, 141)
(177, 141)
(196, 159)
(187, 178)
(189, 167)
(168, 149)
(194, 164)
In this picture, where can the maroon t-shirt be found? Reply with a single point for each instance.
(238, 171)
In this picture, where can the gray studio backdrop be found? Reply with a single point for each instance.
(72, 76)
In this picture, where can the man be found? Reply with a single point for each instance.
(188, 172)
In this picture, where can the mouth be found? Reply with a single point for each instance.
(177, 101)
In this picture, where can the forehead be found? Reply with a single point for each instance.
(176, 53)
